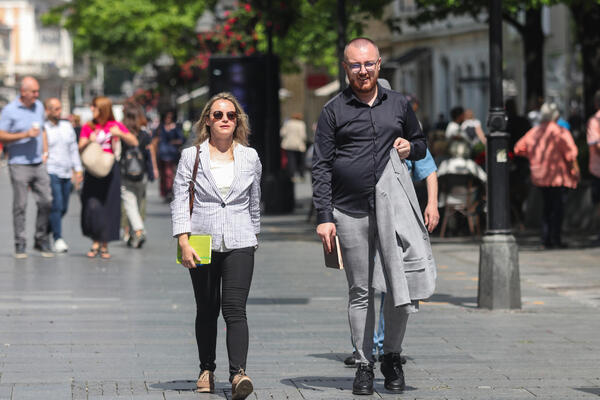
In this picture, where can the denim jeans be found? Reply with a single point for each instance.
(61, 191)
(378, 335)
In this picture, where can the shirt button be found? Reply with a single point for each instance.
(223, 205)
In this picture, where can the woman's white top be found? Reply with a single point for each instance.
(223, 173)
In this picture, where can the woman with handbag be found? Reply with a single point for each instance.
(217, 193)
(101, 193)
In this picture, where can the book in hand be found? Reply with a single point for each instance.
(203, 246)
(334, 259)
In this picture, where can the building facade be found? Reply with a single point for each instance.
(29, 48)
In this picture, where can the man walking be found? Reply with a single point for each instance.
(20, 130)
(64, 166)
(355, 133)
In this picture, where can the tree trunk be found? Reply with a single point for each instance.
(533, 51)
(587, 21)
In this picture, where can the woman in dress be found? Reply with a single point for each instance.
(101, 197)
(226, 206)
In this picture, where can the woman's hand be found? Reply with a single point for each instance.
(115, 131)
(188, 254)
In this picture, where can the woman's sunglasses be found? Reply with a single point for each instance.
(231, 115)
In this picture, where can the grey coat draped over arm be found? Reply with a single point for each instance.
(406, 269)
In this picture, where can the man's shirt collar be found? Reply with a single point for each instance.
(349, 95)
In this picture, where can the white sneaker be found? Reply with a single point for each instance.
(60, 246)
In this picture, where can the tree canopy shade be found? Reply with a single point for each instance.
(130, 33)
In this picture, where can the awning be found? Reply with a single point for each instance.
(409, 56)
(329, 89)
(201, 91)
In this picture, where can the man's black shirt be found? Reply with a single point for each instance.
(352, 147)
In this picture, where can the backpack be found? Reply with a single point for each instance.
(133, 164)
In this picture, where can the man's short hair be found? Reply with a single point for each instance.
(597, 99)
(49, 100)
(360, 41)
(456, 112)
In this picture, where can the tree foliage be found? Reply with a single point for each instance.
(130, 33)
(302, 31)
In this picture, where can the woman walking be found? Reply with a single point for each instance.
(552, 155)
(101, 197)
(134, 174)
(168, 138)
(226, 205)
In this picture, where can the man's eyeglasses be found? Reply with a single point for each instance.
(356, 67)
(231, 115)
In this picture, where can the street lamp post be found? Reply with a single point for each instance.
(499, 282)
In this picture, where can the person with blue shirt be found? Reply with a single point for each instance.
(20, 130)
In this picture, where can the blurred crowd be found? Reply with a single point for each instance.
(543, 152)
(109, 163)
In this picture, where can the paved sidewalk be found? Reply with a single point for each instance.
(73, 328)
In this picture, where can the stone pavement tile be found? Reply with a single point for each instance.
(583, 392)
(49, 391)
(32, 377)
(6, 391)
(195, 396)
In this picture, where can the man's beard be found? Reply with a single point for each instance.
(358, 86)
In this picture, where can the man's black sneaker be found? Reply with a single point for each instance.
(363, 381)
(350, 361)
(391, 368)
(44, 249)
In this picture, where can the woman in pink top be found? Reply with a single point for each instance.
(552, 158)
(101, 197)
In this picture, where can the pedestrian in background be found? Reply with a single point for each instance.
(21, 131)
(134, 173)
(457, 114)
(293, 141)
(593, 141)
(351, 174)
(552, 155)
(101, 197)
(63, 165)
(226, 206)
(168, 139)
(516, 126)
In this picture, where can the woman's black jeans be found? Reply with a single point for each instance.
(233, 271)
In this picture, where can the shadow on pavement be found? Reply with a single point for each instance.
(466, 302)
(264, 301)
(331, 356)
(180, 386)
(592, 390)
(314, 383)
(190, 386)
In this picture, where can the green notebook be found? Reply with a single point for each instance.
(203, 246)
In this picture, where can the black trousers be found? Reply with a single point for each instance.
(225, 284)
(552, 214)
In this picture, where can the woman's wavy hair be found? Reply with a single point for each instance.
(105, 113)
(242, 126)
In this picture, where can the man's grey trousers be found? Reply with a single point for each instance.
(23, 178)
(358, 242)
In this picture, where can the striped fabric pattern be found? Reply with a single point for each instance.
(233, 219)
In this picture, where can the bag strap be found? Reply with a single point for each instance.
(191, 187)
